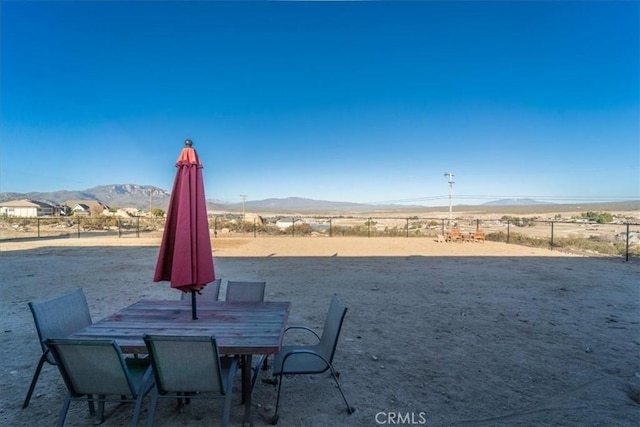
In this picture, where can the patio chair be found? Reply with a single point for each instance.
(478, 236)
(93, 368)
(312, 359)
(210, 292)
(190, 366)
(455, 235)
(245, 291)
(57, 317)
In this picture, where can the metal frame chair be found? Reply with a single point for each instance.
(248, 291)
(211, 292)
(98, 368)
(190, 367)
(57, 317)
(241, 291)
(312, 359)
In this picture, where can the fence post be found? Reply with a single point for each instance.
(79, 219)
(254, 227)
(477, 224)
(508, 229)
(626, 257)
(407, 227)
(369, 227)
(442, 226)
(137, 226)
(551, 235)
(293, 226)
(215, 226)
(330, 228)
(38, 222)
(119, 228)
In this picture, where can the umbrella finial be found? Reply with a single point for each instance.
(188, 143)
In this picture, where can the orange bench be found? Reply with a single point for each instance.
(455, 235)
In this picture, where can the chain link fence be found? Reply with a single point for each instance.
(619, 238)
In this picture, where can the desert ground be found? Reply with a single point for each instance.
(437, 334)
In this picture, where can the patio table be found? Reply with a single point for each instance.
(240, 328)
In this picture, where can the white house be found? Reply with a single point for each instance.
(81, 209)
(284, 223)
(86, 207)
(26, 208)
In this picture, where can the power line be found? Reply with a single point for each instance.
(244, 198)
(511, 196)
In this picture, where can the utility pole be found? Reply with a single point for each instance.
(244, 198)
(450, 175)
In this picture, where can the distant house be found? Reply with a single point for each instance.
(63, 210)
(26, 208)
(81, 209)
(285, 223)
(87, 207)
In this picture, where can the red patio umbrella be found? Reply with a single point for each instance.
(185, 258)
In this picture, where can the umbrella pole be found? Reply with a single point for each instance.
(193, 305)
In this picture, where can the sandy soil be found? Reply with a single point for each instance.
(444, 334)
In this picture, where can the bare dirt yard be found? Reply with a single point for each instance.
(437, 334)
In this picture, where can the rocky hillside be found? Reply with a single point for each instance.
(115, 196)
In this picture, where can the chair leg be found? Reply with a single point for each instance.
(136, 409)
(350, 409)
(226, 413)
(92, 408)
(152, 407)
(100, 414)
(64, 410)
(146, 386)
(43, 359)
(183, 398)
(274, 419)
(261, 364)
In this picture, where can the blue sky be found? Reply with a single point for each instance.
(346, 101)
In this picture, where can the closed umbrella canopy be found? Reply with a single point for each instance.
(185, 258)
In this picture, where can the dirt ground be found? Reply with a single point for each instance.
(437, 334)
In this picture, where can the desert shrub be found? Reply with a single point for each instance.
(98, 222)
(393, 232)
(579, 244)
(356, 230)
(338, 230)
(582, 244)
(599, 217)
(224, 222)
(303, 229)
(520, 222)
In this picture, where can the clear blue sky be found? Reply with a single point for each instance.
(355, 101)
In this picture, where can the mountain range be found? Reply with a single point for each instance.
(146, 197)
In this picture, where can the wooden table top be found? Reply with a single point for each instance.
(242, 328)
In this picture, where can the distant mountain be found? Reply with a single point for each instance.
(300, 204)
(132, 195)
(515, 202)
(145, 196)
(117, 195)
